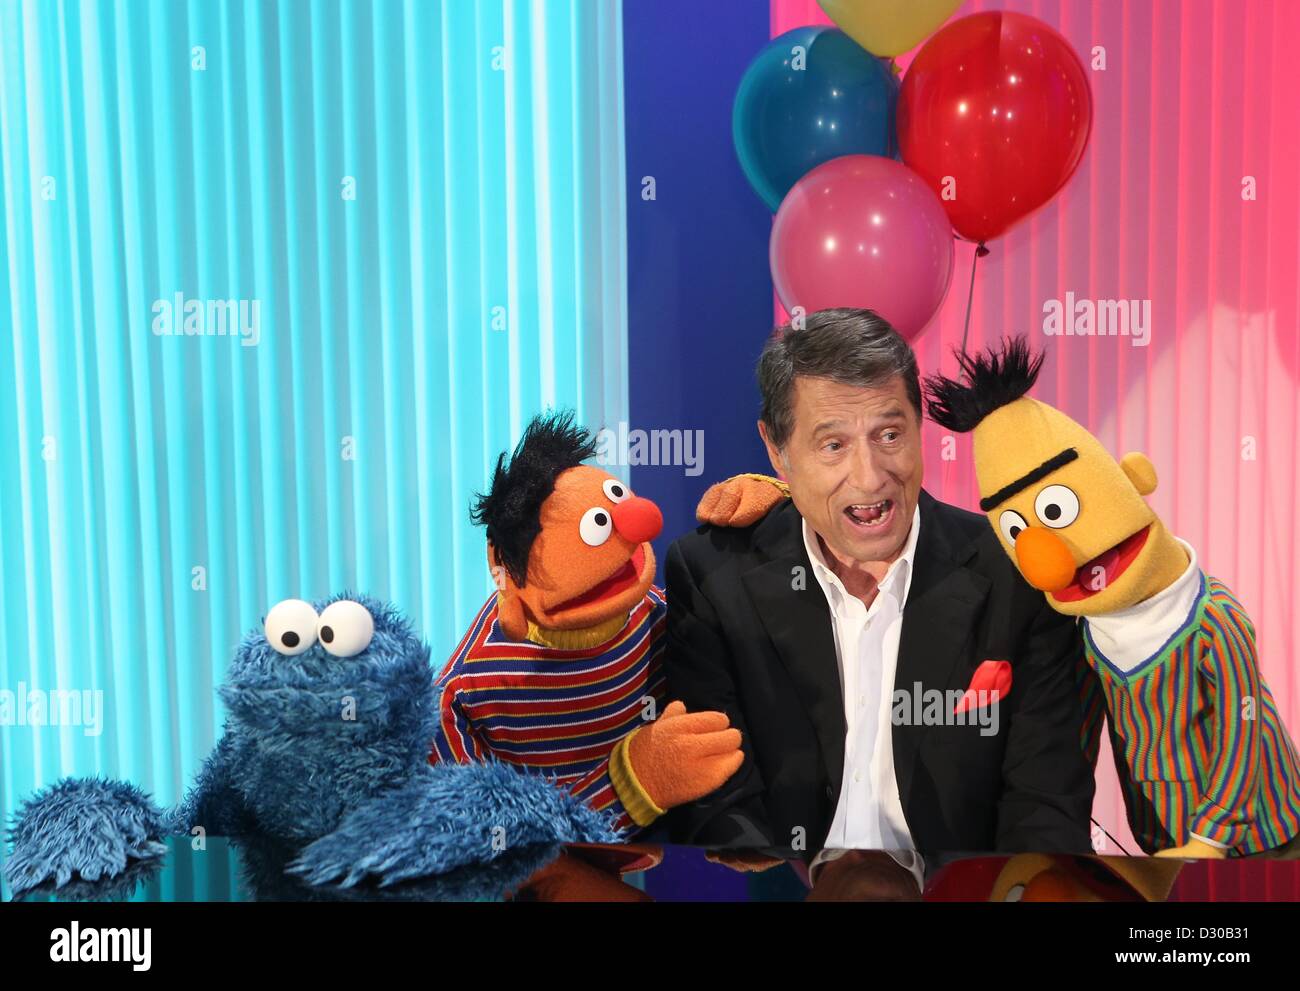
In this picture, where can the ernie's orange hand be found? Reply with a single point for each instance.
(741, 500)
(683, 756)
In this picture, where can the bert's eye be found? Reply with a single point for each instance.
(346, 628)
(615, 491)
(1011, 524)
(595, 526)
(1057, 506)
(291, 626)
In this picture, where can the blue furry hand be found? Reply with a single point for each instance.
(452, 816)
(87, 828)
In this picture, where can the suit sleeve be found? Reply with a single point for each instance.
(1094, 711)
(1047, 779)
(701, 675)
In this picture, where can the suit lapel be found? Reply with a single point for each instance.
(943, 604)
(797, 619)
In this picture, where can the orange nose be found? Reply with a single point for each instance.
(1045, 561)
(638, 519)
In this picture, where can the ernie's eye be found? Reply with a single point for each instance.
(1012, 524)
(346, 628)
(1057, 506)
(291, 626)
(595, 526)
(615, 491)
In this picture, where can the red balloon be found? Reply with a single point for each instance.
(994, 114)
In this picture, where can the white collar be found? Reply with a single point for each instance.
(1128, 638)
(897, 580)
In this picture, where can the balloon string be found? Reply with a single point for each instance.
(980, 252)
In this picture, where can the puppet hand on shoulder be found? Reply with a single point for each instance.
(683, 756)
(1194, 849)
(741, 500)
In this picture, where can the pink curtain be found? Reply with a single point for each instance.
(1197, 99)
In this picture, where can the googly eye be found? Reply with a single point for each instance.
(595, 526)
(346, 628)
(291, 627)
(1057, 506)
(1011, 524)
(615, 491)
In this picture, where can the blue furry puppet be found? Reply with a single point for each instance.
(324, 758)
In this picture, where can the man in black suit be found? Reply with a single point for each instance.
(864, 586)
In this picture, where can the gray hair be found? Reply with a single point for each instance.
(849, 346)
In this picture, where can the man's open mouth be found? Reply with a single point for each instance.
(620, 581)
(1100, 573)
(870, 515)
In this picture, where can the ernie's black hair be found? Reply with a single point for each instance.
(990, 380)
(511, 509)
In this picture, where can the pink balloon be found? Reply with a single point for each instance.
(863, 231)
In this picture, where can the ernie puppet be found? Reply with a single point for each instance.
(560, 670)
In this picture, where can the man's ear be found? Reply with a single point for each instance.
(773, 454)
(510, 608)
(1140, 471)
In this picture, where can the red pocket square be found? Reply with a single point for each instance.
(993, 678)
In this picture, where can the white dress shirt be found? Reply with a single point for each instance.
(1128, 638)
(869, 815)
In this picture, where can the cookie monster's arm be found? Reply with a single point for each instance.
(213, 804)
(1232, 781)
(91, 829)
(84, 830)
(496, 822)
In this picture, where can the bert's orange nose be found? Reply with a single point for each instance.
(1045, 561)
(637, 519)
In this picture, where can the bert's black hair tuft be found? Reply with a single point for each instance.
(511, 508)
(990, 380)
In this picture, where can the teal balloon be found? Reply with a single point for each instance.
(811, 95)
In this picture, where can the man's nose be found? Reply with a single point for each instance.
(867, 475)
(637, 519)
(1044, 560)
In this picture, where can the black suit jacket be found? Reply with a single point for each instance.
(745, 639)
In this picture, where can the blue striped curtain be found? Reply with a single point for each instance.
(280, 280)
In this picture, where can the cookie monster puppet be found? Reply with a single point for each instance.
(324, 758)
(560, 669)
(1207, 767)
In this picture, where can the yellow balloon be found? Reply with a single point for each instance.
(889, 27)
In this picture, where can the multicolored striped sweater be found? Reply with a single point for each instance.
(564, 711)
(1198, 742)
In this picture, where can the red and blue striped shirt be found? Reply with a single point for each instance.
(1199, 745)
(561, 711)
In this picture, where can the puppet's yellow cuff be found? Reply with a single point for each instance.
(640, 806)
